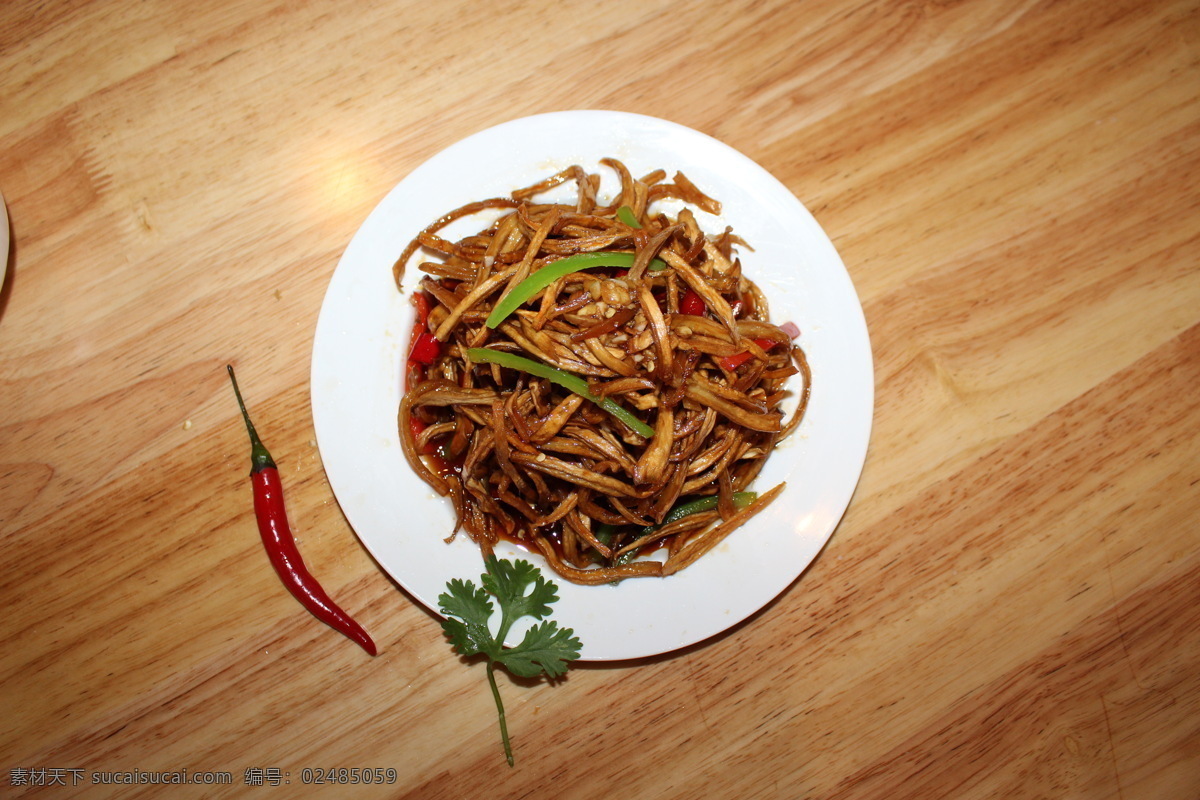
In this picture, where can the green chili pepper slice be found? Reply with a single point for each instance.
(555, 270)
(707, 503)
(605, 532)
(625, 214)
(567, 380)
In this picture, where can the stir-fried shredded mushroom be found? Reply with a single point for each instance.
(587, 421)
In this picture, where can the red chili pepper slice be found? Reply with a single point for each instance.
(414, 373)
(425, 347)
(424, 304)
(733, 362)
(281, 545)
(417, 426)
(692, 304)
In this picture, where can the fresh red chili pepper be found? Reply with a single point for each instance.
(281, 546)
(691, 303)
(733, 362)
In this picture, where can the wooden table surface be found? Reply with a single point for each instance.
(1010, 608)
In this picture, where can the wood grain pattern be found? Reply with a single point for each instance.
(1010, 607)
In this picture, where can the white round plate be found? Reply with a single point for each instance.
(362, 333)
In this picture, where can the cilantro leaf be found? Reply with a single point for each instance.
(469, 633)
(521, 591)
(508, 580)
(546, 648)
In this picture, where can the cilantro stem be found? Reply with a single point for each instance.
(506, 621)
(491, 674)
(546, 649)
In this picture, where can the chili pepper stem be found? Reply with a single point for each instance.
(260, 458)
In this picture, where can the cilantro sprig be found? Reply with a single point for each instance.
(546, 649)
